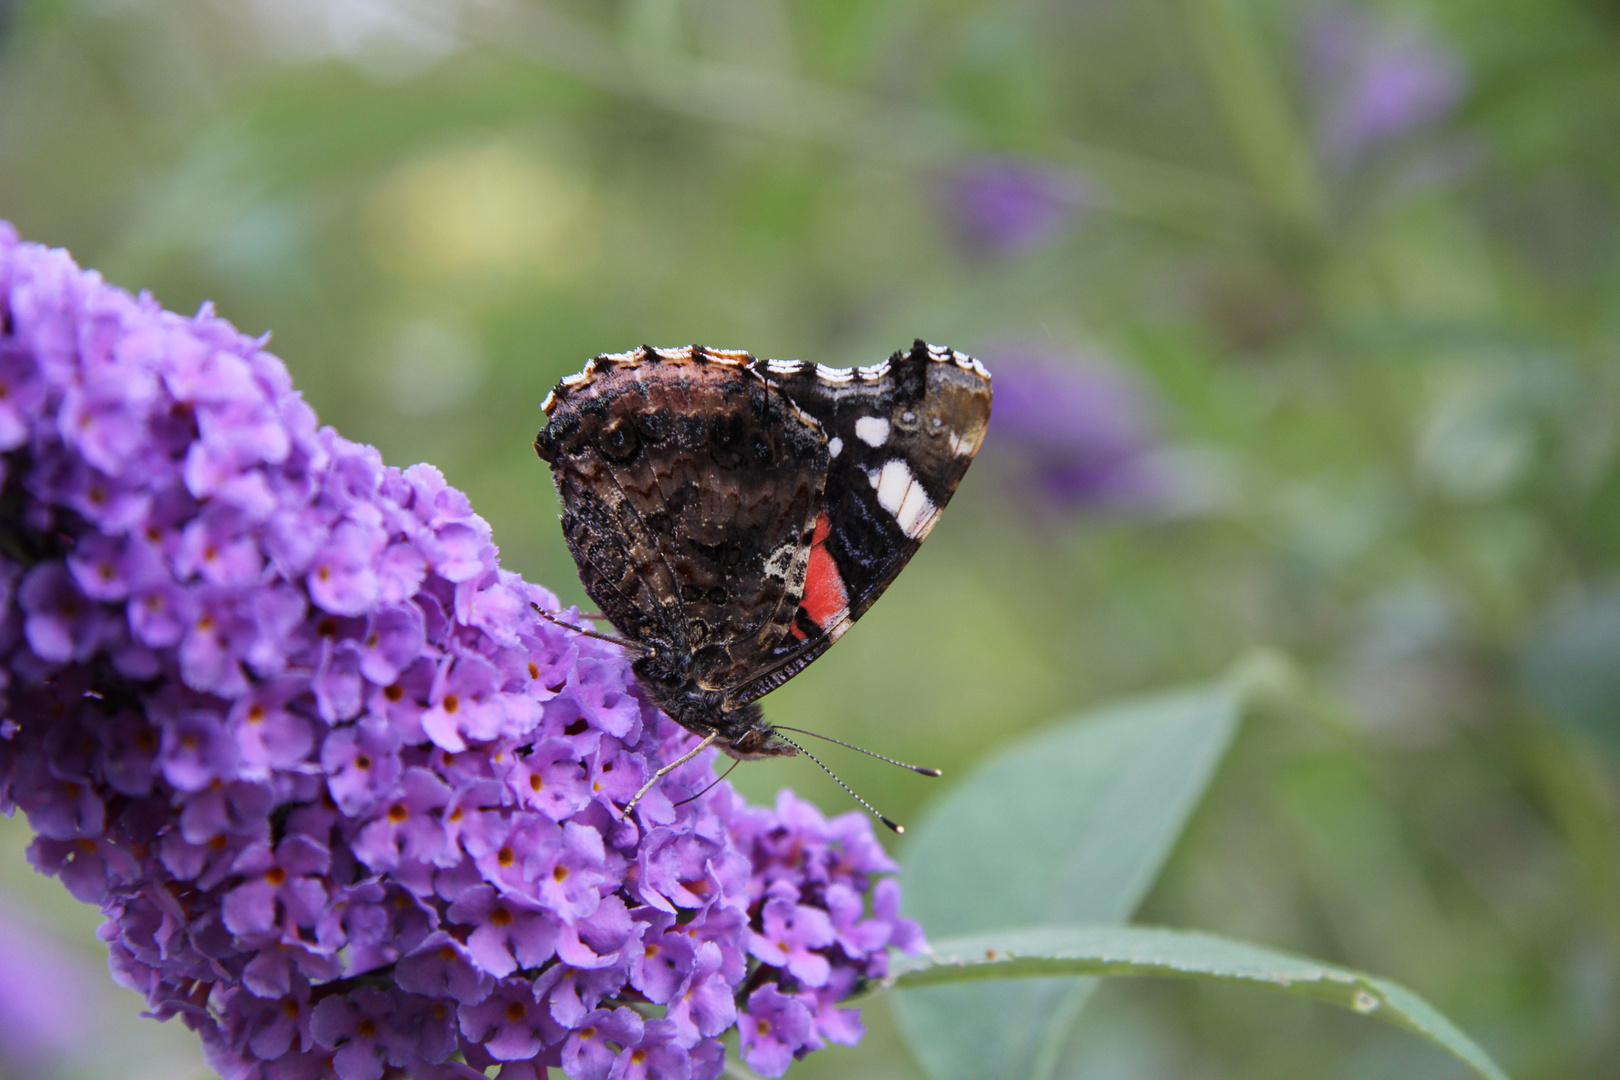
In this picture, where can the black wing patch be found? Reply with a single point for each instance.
(900, 437)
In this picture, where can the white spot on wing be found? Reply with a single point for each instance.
(835, 446)
(550, 403)
(834, 374)
(892, 482)
(916, 515)
(784, 367)
(873, 373)
(899, 493)
(872, 430)
(961, 447)
(578, 378)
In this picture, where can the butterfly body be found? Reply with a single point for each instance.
(732, 517)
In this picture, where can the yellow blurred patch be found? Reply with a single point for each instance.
(492, 210)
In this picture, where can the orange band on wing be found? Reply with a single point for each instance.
(824, 595)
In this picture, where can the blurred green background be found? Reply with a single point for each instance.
(1304, 316)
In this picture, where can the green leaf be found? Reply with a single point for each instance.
(1154, 951)
(1071, 825)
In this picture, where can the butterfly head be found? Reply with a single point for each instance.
(759, 739)
(743, 731)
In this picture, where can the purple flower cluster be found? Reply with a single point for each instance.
(1375, 84)
(812, 934)
(1077, 433)
(349, 806)
(1003, 206)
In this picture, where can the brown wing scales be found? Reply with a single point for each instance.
(714, 478)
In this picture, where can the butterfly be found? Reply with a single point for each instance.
(732, 517)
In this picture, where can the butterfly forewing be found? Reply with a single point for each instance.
(900, 436)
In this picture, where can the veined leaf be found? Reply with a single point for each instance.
(1036, 951)
(1071, 825)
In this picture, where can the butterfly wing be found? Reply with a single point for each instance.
(900, 436)
(689, 487)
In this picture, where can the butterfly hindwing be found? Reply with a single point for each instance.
(690, 486)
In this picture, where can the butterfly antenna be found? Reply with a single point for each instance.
(870, 809)
(713, 782)
(923, 769)
(623, 643)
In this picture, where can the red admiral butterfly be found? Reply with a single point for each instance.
(732, 516)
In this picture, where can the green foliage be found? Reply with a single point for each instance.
(1070, 825)
(1028, 952)
(1073, 824)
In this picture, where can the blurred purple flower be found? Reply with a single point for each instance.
(1004, 206)
(1078, 433)
(348, 804)
(1375, 84)
(45, 993)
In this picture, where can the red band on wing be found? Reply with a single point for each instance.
(824, 594)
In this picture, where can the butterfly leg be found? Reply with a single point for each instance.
(623, 643)
(671, 767)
